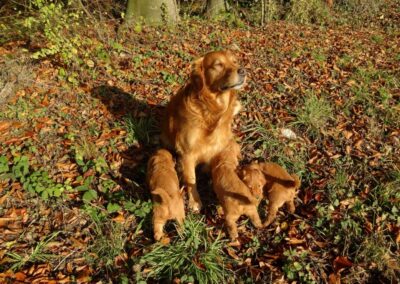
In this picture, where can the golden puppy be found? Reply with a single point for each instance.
(277, 183)
(164, 187)
(199, 117)
(235, 197)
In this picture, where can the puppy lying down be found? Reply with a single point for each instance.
(168, 203)
(235, 197)
(279, 186)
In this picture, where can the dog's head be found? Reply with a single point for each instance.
(218, 71)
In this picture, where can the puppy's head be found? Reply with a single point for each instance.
(254, 178)
(162, 156)
(218, 71)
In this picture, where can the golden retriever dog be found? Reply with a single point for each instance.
(199, 117)
(235, 197)
(163, 183)
(279, 186)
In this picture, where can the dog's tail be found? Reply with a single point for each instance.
(277, 173)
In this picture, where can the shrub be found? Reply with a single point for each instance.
(305, 12)
(56, 22)
(360, 11)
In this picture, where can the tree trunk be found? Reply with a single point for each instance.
(214, 7)
(262, 12)
(152, 11)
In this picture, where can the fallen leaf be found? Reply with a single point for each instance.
(341, 262)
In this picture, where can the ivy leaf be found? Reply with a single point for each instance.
(113, 207)
(89, 195)
(4, 164)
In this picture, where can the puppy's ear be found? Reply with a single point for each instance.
(297, 181)
(197, 75)
(161, 196)
(241, 172)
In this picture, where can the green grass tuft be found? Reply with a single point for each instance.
(193, 256)
(315, 114)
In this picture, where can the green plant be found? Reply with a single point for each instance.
(89, 193)
(54, 18)
(37, 182)
(231, 19)
(298, 267)
(318, 56)
(272, 10)
(193, 256)
(107, 242)
(268, 146)
(4, 168)
(168, 78)
(140, 209)
(140, 130)
(37, 255)
(315, 114)
(375, 253)
(252, 247)
(87, 156)
(359, 12)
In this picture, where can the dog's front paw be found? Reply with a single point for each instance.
(195, 206)
(158, 236)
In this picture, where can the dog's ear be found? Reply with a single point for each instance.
(197, 75)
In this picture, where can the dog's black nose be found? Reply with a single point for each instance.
(242, 71)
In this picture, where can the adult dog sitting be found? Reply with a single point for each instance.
(199, 117)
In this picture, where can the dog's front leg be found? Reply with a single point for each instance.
(189, 179)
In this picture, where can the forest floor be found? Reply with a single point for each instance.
(74, 142)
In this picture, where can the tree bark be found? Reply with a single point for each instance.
(214, 7)
(152, 11)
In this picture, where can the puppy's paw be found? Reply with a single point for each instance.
(258, 225)
(234, 243)
(266, 224)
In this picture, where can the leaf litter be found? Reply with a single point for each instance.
(53, 123)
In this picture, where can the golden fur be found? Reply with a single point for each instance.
(167, 198)
(235, 197)
(199, 117)
(279, 186)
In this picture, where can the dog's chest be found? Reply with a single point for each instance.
(224, 100)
